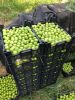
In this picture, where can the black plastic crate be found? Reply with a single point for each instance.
(49, 76)
(55, 51)
(72, 73)
(50, 71)
(27, 74)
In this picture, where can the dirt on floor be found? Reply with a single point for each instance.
(3, 71)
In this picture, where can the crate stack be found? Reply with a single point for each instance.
(36, 68)
(25, 67)
(52, 57)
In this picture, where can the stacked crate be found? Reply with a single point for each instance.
(35, 69)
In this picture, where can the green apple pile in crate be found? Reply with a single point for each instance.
(19, 39)
(67, 67)
(8, 89)
(70, 96)
(51, 33)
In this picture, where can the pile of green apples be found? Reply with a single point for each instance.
(51, 33)
(19, 39)
(70, 96)
(67, 67)
(8, 89)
